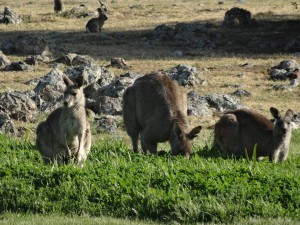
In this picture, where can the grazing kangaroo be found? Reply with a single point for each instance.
(239, 131)
(155, 108)
(66, 132)
(58, 6)
(94, 25)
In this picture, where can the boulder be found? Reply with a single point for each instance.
(6, 124)
(237, 17)
(185, 75)
(9, 16)
(197, 105)
(25, 44)
(18, 106)
(106, 124)
(16, 66)
(4, 61)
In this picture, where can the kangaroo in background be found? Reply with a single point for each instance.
(239, 131)
(155, 108)
(58, 6)
(66, 132)
(95, 25)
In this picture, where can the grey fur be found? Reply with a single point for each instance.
(239, 132)
(66, 132)
(95, 25)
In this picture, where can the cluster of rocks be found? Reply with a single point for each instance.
(286, 69)
(9, 16)
(194, 35)
(80, 11)
(238, 17)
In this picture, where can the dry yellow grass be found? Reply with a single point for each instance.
(135, 18)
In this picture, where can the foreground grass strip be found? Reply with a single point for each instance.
(118, 183)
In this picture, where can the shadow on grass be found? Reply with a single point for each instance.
(274, 34)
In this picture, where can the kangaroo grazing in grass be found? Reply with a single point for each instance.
(155, 108)
(66, 133)
(239, 131)
(58, 6)
(94, 25)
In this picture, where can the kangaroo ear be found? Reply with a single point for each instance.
(67, 80)
(275, 113)
(178, 131)
(194, 132)
(79, 81)
(289, 114)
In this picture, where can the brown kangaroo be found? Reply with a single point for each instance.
(239, 131)
(95, 25)
(155, 108)
(66, 132)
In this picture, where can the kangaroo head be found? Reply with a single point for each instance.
(181, 144)
(102, 15)
(73, 95)
(282, 125)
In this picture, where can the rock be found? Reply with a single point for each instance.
(288, 65)
(80, 11)
(4, 61)
(118, 86)
(18, 106)
(237, 17)
(119, 63)
(25, 44)
(177, 54)
(197, 105)
(241, 92)
(73, 59)
(278, 74)
(35, 59)
(6, 124)
(185, 75)
(16, 66)
(91, 73)
(106, 124)
(9, 16)
(107, 105)
(222, 102)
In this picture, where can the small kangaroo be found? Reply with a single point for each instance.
(94, 25)
(239, 131)
(66, 132)
(58, 6)
(155, 108)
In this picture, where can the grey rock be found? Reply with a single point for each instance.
(278, 74)
(177, 53)
(241, 92)
(185, 75)
(9, 16)
(16, 66)
(106, 124)
(4, 61)
(80, 11)
(73, 59)
(107, 105)
(197, 105)
(35, 59)
(222, 102)
(25, 44)
(6, 124)
(237, 17)
(288, 65)
(119, 63)
(18, 106)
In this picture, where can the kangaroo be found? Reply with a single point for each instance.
(94, 25)
(155, 108)
(58, 6)
(66, 133)
(239, 131)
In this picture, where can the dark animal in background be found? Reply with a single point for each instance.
(155, 108)
(58, 6)
(239, 132)
(95, 25)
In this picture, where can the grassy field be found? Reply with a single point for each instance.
(116, 184)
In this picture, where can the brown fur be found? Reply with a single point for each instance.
(155, 108)
(66, 132)
(58, 5)
(239, 131)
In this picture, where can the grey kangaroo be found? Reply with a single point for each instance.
(155, 108)
(239, 131)
(66, 133)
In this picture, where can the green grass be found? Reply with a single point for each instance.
(118, 183)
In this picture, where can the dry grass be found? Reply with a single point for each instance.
(137, 18)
